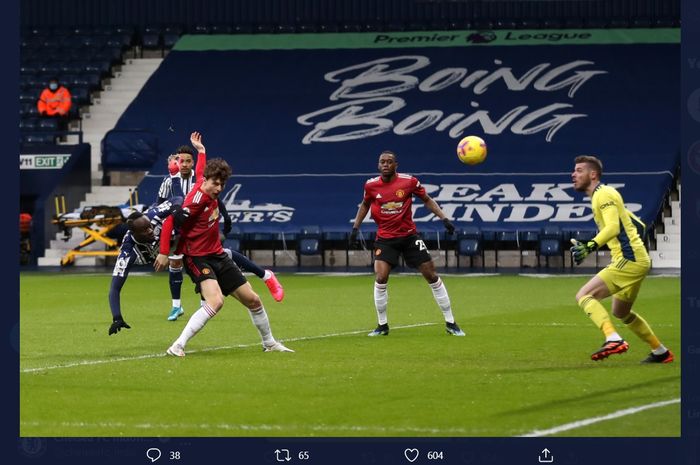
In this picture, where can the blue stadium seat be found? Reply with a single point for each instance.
(38, 139)
(469, 244)
(69, 67)
(80, 95)
(552, 23)
(201, 29)
(98, 66)
(528, 241)
(150, 38)
(47, 124)
(336, 240)
(309, 244)
(29, 96)
(242, 28)
(506, 23)
(27, 109)
(305, 27)
(170, 39)
(28, 124)
(550, 244)
(328, 27)
(220, 29)
(233, 244)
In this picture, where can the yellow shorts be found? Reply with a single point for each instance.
(624, 278)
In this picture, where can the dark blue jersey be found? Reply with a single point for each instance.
(133, 252)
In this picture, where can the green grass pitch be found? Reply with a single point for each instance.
(523, 367)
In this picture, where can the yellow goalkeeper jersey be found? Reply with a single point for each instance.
(619, 228)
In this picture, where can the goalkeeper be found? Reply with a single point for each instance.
(622, 231)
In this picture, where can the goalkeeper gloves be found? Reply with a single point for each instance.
(117, 325)
(580, 250)
(448, 226)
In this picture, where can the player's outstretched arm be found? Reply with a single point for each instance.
(437, 211)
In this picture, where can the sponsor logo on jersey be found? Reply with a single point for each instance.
(392, 208)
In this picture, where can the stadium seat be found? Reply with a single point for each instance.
(309, 244)
(328, 27)
(234, 239)
(220, 29)
(151, 39)
(550, 244)
(469, 244)
(528, 241)
(233, 244)
(30, 95)
(509, 24)
(170, 39)
(285, 29)
(28, 124)
(27, 109)
(81, 95)
(306, 28)
(38, 139)
(506, 240)
(201, 29)
(242, 28)
(335, 240)
(47, 124)
(553, 23)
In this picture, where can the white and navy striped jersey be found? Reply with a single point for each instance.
(166, 187)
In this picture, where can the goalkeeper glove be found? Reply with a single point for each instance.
(580, 250)
(448, 226)
(117, 325)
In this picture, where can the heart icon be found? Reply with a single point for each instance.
(411, 454)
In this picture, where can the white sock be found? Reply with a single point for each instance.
(659, 350)
(613, 337)
(267, 275)
(176, 302)
(443, 300)
(195, 324)
(261, 322)
(202, 302)
(381, 297)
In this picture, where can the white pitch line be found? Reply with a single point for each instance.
(589, 421)
(239, 346)
(286, 429)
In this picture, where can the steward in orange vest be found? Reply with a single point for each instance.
(55, 100)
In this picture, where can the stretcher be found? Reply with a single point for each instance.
(96, 223)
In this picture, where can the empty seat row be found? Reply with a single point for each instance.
(471, 242)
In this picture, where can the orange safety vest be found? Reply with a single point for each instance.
(25, 222)
(54, 103)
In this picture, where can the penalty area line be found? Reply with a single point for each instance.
(589, 421)
(210, 349)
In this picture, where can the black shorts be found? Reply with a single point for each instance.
(411, 247)
(219, 267)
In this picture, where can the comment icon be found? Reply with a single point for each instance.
(153, 454)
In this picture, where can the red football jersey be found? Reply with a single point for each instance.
(391, 204)
(199, 235)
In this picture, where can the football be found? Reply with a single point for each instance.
(471, 150)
